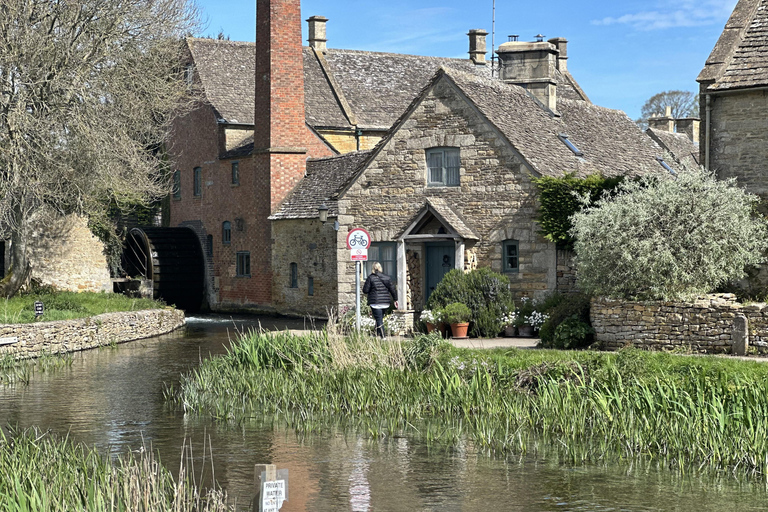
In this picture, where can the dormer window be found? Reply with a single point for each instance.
(666, 166)
(576, 151)
(443, 166)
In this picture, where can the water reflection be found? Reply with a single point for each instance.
(111, 398)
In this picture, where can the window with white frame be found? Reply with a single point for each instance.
(443, 165)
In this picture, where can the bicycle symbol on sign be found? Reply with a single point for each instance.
(358, 240)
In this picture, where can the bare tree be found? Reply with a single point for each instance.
(683, 104)
(88, 90)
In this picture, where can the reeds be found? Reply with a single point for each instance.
(685, 412)
(39, 472)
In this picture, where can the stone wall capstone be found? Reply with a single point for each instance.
(64, 336)
(705, 325)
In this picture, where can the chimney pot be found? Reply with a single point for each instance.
(477, 46)
(317, 37)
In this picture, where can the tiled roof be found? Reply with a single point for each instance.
(377, 86)
(740, 57)
(227, 73)
(323, 179)
(679, 145)
(611, 143)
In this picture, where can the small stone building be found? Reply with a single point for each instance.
(734, 99)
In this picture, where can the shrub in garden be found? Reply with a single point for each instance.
(456, 313)
(484, 291)
(573, 308)
(668, 238)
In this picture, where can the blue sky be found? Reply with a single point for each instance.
(620, 52)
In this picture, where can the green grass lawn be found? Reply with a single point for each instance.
(68, 305)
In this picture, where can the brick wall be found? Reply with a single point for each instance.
(705, 325)
(496, 196)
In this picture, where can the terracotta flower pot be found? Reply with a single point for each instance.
(443, 329)
(430, 327)
(460, 330)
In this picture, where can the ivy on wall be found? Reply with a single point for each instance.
(560, 199)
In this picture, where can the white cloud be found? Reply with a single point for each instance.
(672, 14)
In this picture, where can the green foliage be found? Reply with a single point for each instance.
(485, 292)
(668, 238)
(563, 307)
(456, 313)
(68, 305)
(559, 199)
(683, 412)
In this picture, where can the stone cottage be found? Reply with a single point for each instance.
(433, 157)
(734, 101)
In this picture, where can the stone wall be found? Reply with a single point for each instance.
(705, 325)
(738, 148)
(32, 340)
(65, 254)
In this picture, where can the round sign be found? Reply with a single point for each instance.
(358, 238)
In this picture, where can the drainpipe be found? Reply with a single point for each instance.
(707, 129)
(358, 134)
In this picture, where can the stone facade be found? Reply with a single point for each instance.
(311, 245)
(737, 147)
(33, 340)
(495, 194)
(66, 255)
(705, 326)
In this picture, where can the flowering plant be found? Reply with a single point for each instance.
(509, 318)
(536, 319)
(430, 317)
(394, 324)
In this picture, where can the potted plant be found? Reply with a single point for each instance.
(508, 321)
(529, 319)
(457, 315)
(430, 318)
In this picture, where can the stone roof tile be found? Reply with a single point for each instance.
(679, 145)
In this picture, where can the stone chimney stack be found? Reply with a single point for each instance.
(561, 44)
(665, 123)
(317, 37)
(477, 48)
(690, 127)
(280, 132)
(532, 66)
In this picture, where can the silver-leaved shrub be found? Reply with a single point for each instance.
(668, 237)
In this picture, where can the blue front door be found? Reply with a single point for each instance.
(440, 260)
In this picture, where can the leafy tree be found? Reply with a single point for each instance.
(88, 90)
(668, 238)
(683, 104)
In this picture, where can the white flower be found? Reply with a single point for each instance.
(428, 316)
(536, 319)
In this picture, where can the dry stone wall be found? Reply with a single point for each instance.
(32, 340)
(705, 325)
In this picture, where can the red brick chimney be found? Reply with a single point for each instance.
(280, 131)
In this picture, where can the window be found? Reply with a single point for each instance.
(235, 173)
(209, 246)
(310, 286)
(511, 256)
(294, 275)
(443, 167)
(571, 145)
(243, 264)
(386, 254)
(198, 185)
(177, 184)
(226, 232)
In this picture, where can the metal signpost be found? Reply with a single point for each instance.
(358, 241)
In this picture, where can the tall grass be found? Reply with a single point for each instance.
(39, 472)
(19, 371)
(20, 309)
(687, 412)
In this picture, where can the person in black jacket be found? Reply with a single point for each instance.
(379, 287)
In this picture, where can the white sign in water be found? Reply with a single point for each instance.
(272, 495)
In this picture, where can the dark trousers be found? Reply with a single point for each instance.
(378, 315)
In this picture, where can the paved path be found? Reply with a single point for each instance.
(526, 343)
